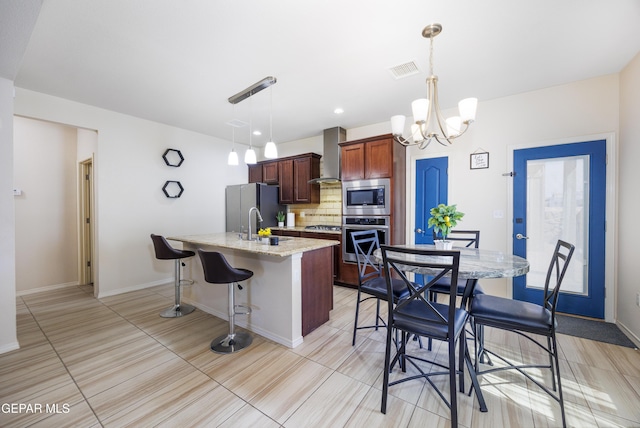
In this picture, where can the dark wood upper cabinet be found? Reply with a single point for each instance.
(292, 174)
(255, 173)
(304, 169)
(270, 172)
(285, 177)
(368, 158)
(378, 159)
(352, 161)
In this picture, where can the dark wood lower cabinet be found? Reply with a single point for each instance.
(317, 288)
(348, 274)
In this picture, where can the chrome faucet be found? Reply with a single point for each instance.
(249, 238)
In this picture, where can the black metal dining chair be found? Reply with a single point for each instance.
(463, 239)
(526, 319)
(460, 238)
(371, 283)
(416, 315)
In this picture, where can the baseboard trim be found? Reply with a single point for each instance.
(243, 323)
(46, 288)
(9, 347)
(635, 339)
(134, 288)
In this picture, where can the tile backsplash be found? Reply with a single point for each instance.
(328, 211)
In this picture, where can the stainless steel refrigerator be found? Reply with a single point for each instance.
(241, 197)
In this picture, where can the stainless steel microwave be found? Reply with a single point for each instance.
(366, 197)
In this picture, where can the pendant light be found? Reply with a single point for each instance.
(270, 150)
(250, 154)
(233, 156)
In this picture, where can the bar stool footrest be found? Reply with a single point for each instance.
(241, 310)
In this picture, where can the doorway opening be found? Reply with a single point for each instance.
(86, 220)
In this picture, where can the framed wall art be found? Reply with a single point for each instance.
(479, 160)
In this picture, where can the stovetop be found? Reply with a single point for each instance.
(324, 227)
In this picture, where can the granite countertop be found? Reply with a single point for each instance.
(287, 246)
(474, 263)
(304, 229)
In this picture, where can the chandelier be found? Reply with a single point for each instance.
(429, 123)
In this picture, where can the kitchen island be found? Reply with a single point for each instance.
(290, 293)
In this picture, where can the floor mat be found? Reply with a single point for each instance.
(595, 330)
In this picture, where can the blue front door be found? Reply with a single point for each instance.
(560, 193)
(431, 190)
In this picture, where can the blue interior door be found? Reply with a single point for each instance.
(560, 193)
(431, 190)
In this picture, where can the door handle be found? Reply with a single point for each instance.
(418, 230)
(521, 236)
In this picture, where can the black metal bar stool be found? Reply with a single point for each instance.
(164, 251)
(218, 271)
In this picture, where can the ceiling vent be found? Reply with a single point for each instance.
(237, 123)
(404, 70)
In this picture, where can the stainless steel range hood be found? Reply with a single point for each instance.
(331, 155)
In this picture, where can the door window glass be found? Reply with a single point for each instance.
(557, 208)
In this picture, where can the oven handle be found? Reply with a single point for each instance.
(363, 227)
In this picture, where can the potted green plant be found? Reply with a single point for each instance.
(280, 217)
(443, 219)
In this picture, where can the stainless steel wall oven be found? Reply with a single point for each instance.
(380, 224)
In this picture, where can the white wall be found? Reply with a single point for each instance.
(547, 116)
(629, 203)
(292, 148)
(129, 164)
(129, 175)
(46, 212)
(8, 336)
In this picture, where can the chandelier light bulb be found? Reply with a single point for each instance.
(397, 124)
(420, 109)
(454, 125)
(467, 108)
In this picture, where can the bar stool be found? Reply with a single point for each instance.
(218, 271)
(164, 251)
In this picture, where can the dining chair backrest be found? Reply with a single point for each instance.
(462, 238)
(399, 262)
(365, 242)
(559, 264)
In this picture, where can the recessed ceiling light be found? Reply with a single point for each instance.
(338, 111)
(256, 132)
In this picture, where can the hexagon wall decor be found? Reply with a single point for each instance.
(173, 157)
(173, 189)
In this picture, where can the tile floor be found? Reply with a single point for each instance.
(114, 362)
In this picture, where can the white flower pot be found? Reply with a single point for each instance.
(443, 245)
(281, 224)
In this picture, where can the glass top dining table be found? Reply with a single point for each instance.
(475, 263)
